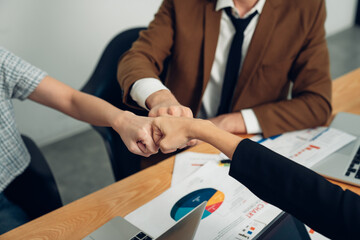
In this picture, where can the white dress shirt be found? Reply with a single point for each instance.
(143, 88)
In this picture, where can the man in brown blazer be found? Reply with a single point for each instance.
(283, 44)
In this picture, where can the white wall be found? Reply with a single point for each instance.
(66, 38)
(340, 15)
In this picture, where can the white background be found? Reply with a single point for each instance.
(66, 38)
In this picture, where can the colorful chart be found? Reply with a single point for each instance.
(187, 203)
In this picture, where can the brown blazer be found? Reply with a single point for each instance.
(288, 46)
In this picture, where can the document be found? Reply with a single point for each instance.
(308, 147)
(189, 162)
(232, 211)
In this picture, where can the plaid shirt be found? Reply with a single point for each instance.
(18, 79)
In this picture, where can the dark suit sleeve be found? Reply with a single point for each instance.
(323, 206)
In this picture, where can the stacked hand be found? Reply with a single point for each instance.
(170, 126)
(136, 133)
(163, 103)
(172, 133)
(144, 136)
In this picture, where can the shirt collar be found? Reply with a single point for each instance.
(221, 4)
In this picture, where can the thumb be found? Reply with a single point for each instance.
(166, 146)
(157, 135)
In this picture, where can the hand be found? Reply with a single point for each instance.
(163, 103)
(231, 122)
(172, 133)
(136, 133)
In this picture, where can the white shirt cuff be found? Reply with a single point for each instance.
(251, 123)
(143, 88)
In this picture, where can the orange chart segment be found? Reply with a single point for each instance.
(218, 197)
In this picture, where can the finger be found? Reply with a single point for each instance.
(192, 142)
(134, 148)
(150, 145)
(156, 134)
(162, 112)
(152, 113)
(142, 147)
(183, 146)
(166, 147)
(168, 150)
(175, 111)
(186, 112)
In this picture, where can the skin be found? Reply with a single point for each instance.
(244, 6)
(163, 102)
(171, 133)
(135, 131)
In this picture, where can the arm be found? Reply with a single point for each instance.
(323, 206)
(230, 122)
(311, 94)
(135, 131)
(145, 60)
(308, 196)
(171, 133)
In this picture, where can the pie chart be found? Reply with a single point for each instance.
(190, 201)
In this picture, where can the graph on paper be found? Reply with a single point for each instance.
(308, 147)
(190, 201)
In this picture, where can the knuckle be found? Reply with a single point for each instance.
(162, 111)
(173, 110)
(187, 112)
(132, 149)
(164, 147)
(152, 113)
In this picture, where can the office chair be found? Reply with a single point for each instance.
(35, 190)
(103, 84)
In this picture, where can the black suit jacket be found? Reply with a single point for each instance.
(323, 206)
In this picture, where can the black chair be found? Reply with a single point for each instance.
(103, 84)
(35, 190)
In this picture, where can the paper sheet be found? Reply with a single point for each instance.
(232, 212)
(308, 147)
(189, 162)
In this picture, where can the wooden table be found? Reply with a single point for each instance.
(81, 217)
(346, 93)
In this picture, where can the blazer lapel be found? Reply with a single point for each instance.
(211, 35)
(258, 45)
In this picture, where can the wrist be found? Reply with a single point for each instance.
(160, 97)
(121, 120)
(200, 128)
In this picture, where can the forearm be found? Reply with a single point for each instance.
(310, 105)
(76, 104)
(92, 110)
(297, 190)
(305, 111)
(146, 57)
(206, 131)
